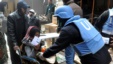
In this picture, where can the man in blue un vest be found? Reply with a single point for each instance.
(104, 24)
(81, 35)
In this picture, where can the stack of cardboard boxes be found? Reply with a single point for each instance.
(50, 28)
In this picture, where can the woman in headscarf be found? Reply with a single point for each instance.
(31, 41)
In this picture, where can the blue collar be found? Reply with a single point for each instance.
(72, 19)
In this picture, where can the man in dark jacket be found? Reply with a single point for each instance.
(104, 24)
(34, 21)
(17, 24)
(70, 53)
(77, 32)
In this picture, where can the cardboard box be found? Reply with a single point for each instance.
(54, 20)
(48, 43)
(47, 29)
(53, 28)
(50, 28)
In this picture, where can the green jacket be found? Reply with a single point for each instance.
(50, 9)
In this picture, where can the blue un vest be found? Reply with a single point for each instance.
(108, 25)
(93, 41)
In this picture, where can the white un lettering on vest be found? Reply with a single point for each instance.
(86, 25)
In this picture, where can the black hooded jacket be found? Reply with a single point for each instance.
(101, 20)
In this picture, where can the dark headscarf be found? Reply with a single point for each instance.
(30, 33)
(33, 31)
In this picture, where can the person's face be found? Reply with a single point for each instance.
(31, 14)
(37, 34)
(24, 11)
(61, 22)
(49, 1)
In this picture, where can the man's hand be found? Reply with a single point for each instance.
(16, 47)
(40, 55)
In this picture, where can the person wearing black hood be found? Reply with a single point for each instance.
(17, 24)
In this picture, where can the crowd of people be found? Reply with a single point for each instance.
(77, 34)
